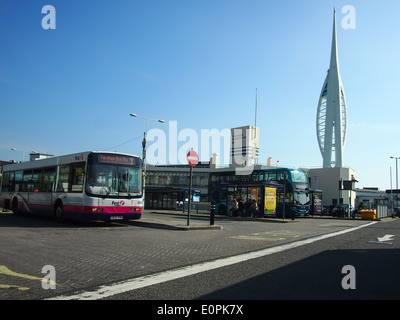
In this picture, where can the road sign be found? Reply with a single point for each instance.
(192, 158)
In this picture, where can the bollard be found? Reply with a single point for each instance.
(212, 213)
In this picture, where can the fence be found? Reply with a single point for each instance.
(381, 211)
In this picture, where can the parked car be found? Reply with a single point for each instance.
(342, 210)
(396, 211)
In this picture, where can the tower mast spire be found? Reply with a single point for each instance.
(255, 116)
(332, 111)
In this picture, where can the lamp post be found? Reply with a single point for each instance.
(144, 147)
(23, 152)
(397, 185)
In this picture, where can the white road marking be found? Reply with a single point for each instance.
(388, 237)
(164, 276)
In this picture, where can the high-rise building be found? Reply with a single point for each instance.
(245, 143)
(332, 112)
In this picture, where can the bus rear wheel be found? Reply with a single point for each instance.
(59, 212)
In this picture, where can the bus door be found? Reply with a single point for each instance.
(70, 186)
(284, 200)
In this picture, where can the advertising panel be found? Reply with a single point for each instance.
(270, 201)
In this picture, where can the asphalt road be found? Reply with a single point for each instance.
(311, 271)
(243, 260)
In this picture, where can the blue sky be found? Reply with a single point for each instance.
(198, 63)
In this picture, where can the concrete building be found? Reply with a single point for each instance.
(167, 185)
(38, 156)
(369, 198)
(328, 180)
(245, 142)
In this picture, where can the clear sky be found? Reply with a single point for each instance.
(198, 62)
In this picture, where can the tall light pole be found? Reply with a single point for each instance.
(397, 182)
(23, 152)
(144, 148)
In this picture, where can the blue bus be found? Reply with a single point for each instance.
(253, 192)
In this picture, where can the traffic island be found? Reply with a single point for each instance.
(172, 224)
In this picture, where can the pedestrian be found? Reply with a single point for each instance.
(253, 208)
(241, 207)
(235, 207)
(248, 208)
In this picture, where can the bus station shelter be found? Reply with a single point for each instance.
(169, 198)
(267, 195)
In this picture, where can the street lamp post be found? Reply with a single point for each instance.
(397, 181)
(144, 147)
(23, 152)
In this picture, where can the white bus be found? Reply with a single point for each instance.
(87, 185)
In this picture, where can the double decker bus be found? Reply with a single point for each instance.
(279, 191)
(87, 185)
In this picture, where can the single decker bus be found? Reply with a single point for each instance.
(87, 185)
(278, 192)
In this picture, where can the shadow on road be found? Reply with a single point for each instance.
(8, 219)
(377, 277)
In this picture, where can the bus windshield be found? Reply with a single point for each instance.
(298, 176)
(301, 198)
(114, 181)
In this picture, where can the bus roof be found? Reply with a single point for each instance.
(58, 160)
(256, 168)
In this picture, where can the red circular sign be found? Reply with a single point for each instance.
(192, 158)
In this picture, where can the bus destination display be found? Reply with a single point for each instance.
(114, 159)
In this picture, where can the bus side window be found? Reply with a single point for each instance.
(5, 182)
(18, 181)
(283, 175)
(49, 176)
(258, 176)
(63, 178)
(77, 177)
(27, 184)
(37, 178)
(270, 176)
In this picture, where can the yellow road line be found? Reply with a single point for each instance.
(8, 286)
(6, 271)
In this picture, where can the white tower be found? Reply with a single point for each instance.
(245, 142)
(332, 112)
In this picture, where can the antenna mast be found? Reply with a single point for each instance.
(255, 117)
